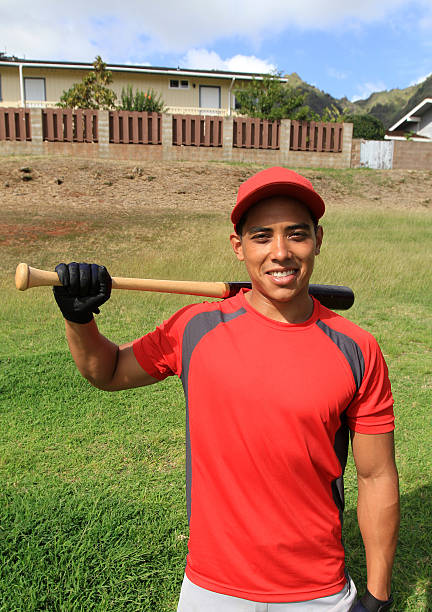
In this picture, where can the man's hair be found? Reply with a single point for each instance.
(240, 225)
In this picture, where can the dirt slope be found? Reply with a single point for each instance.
(73, 191)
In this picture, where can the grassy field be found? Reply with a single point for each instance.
(92, 490)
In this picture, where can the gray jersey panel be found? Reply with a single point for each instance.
(200, 325)
(350, 350)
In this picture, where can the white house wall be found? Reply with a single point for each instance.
(10, 88)
(425, 125)
(58, 80)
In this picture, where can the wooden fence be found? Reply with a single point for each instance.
(133, 127)
(197, 131)
(154, 136)
(314, 136)
(15, 124)
(252, 133)
(67, 125)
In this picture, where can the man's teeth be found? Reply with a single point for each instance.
(283, 273)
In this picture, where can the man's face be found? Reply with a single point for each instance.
(278, 246)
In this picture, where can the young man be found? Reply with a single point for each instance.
(274, 383)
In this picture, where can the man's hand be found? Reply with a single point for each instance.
(84, 288)
(369, 603)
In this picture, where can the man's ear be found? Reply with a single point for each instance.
(236, 243)
(319, 239)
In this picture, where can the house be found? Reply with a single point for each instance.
(415, 125)
(31, 83)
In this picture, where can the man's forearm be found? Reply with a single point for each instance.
(378, 516)
(95, 356)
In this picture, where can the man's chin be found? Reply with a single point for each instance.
(284, 294)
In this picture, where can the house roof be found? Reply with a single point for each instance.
(219, 74)
(414, 115)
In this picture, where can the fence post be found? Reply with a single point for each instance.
(227, 142)
(284, 140)
(103, 133)
(167, 136)
(347, 144)
(36, 130)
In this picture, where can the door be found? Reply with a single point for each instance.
(377, 154)
(210, 98)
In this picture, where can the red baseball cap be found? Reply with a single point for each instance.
(276, 181)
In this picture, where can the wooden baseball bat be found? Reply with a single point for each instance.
(336, 297)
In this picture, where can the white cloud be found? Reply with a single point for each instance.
(337, 74)
(366, 89)
(425, 23)
(130, 30)
(209, 60)
(420, 79)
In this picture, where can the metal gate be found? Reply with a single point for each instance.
(377, 154)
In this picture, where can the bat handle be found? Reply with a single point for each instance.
(27, 277)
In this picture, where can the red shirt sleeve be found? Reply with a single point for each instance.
(371, 411)
(159, 352)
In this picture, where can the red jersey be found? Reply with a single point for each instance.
(268, 410)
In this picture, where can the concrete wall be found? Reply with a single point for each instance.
(412, 155)
(355, 152)
(407, 154)
(167, 151)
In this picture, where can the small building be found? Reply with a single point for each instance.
(415, 125)
(32, 83)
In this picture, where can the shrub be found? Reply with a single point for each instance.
(141, 101)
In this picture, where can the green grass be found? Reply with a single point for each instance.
(92, 490)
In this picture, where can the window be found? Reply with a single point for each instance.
(34, 89)
(177, 84)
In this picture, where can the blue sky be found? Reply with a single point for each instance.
(344, 47)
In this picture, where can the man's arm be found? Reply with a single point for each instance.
(378, 509)
(103, 363)
(106, 365)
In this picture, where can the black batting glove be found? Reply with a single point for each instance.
(84, 288)
(369, 603)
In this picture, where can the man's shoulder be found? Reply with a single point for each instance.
(345, 326)
(185, 314)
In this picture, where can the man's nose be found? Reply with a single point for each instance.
(280, 248)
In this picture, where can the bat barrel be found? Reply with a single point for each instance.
(336, 297)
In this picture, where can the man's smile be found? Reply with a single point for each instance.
(284, 276)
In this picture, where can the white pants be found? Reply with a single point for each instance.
(196, 599)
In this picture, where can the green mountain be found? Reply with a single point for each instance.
(388, 106)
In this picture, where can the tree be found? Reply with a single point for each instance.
(270, 99)
(332, 115)
(93, 91)
(142, 101)
(366, 126)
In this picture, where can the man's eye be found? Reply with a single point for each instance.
(260, 237)
(299, 235)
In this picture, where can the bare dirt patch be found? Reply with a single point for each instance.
(14, 233)
(42, 197)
